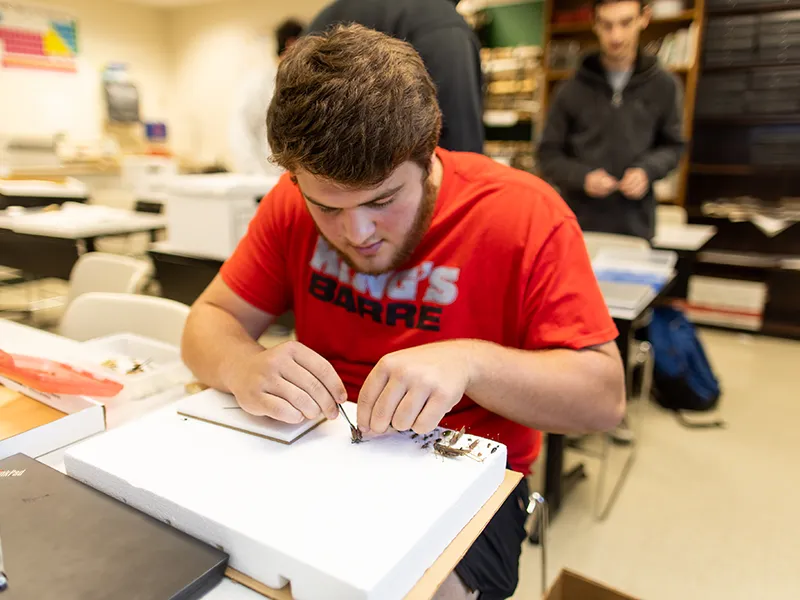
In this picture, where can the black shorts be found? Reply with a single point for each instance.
(491, 565)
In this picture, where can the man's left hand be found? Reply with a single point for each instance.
(634, 183)
(414, 388)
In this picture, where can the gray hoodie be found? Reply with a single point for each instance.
(589, 128)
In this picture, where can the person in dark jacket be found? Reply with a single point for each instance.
(449, 48)
(614, 128)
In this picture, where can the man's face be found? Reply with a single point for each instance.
(377, 229)
(618, 26)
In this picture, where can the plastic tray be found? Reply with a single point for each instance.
(717, 44)
(776, 79)
(779, 54)
(163, 371)
(715, 84)
(742, 21)
(728, 57)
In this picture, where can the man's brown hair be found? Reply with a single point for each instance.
(351, 106)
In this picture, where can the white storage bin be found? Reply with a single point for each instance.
(207, 215)
(146, 176)
(162, 370)
(727, 302)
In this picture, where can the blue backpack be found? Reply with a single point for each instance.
(682, 377)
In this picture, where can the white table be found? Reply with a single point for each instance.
(81, 222)
(47, 244)
(683, 237)
(22, 339)
(687, 241)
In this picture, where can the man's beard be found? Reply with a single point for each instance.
(422, 221)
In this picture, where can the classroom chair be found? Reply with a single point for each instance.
(97, 314)
(103, 272)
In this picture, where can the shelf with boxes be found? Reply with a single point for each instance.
(746, 156)
(512, 105)
(748, 101)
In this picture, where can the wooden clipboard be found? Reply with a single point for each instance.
(434, 577)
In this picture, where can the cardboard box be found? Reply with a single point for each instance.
(571, 586)
(83, 417)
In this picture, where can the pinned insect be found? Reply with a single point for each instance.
(356, 436)
(449, 449)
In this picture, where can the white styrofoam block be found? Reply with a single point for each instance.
(215, 407)
(338, 520)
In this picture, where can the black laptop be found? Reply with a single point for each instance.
(62, 540)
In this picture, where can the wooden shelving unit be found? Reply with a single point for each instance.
(753, 9)
(582, 32)
(732, 183)
(687, 16)
(750, 65)
(562, 74)
(781, 119)
(728, 170)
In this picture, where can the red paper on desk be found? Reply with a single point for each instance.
(53, 377)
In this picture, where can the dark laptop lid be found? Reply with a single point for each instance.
(63, 540)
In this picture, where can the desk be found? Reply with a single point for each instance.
(23, 339)
(687, 241)
(558, 484)
(45, 246)
(182, 277)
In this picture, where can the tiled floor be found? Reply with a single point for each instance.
(705, 514)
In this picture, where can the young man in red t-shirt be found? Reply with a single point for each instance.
(430, 287)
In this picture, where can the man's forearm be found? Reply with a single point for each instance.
(560, 391)
(213, 343)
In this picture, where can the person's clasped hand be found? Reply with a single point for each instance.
(414, 388)
(634, 183)
(288, 383)
(599, 184)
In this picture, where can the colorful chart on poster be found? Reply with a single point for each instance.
(37, 38)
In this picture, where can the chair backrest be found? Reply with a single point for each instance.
(598, 241)
(97, 314)
(102, 272)
(670, 214)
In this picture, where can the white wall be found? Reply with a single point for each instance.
(214, 47)
(42, 103)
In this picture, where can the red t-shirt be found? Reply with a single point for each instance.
(504, 261)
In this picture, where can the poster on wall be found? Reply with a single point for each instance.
(37, 38)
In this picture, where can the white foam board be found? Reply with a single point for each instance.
(223, 410)
(338, 520)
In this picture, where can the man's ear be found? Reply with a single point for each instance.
(647, 14)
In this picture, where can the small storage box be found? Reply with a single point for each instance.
(207, 215)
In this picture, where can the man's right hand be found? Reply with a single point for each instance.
(599, 184)
(289, 382)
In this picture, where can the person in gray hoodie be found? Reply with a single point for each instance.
(614, 128)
